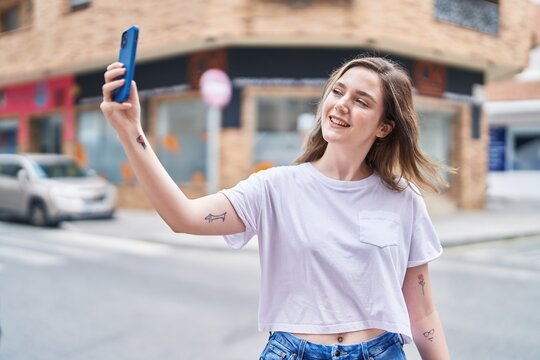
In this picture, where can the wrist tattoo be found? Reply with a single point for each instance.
(211, 217)
(422, 282)
(140, 140)
(429, 334)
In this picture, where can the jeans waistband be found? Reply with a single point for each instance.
(295, 344)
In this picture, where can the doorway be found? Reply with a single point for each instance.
(45, 134)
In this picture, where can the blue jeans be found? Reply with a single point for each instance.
(285, 346)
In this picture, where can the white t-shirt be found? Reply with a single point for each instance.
(333, 253)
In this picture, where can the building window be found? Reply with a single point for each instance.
(526, 149)
(181, 139)
(10, 19)
(15, 15)
(99, 148)
(479, 15)
(9, 129)
(436, 129)
(283, 122)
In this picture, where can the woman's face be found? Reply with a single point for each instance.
(352, 111)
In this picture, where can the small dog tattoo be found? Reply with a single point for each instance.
(210, 218)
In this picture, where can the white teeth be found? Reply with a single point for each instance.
(338, 122)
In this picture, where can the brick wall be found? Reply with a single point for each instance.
(59, 41)
(512, 90)
(468, 155)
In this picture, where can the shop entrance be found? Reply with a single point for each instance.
(9, 129)
(436, 135)
(45, 134)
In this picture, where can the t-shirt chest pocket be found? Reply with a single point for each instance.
(379, 228)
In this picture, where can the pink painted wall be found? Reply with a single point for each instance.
(38, 98)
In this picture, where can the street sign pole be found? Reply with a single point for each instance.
(213, 126)
(216, 90)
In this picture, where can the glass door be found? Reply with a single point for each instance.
(46, 134)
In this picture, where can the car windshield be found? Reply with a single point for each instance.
(59, 169)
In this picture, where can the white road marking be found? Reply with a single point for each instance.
(92, 242)
(109, 243)
(29, 257)
(488, 270)
(48, 248)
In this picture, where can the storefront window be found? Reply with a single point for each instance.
(282, 125)
(9, 129)
(99, 147)
(526, 150)
(181, 139)
(436, 135)
(46, 134)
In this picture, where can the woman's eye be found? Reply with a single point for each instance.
(336, 92)
(362, 102)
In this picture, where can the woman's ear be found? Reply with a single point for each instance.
(385, 128)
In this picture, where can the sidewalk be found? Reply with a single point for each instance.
(501, 219)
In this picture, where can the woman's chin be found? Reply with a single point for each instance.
(332, 138)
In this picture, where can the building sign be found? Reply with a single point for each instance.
(47, 95)
(497, 149)
(429, 78)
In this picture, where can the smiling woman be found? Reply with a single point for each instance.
(355, 284)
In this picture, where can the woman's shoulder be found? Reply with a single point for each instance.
(280, 172)
(408, 190)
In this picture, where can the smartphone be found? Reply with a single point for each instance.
(128, 52)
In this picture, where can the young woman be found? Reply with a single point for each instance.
(344, 236)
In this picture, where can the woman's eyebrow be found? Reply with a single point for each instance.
(363, 93)
(359, 92)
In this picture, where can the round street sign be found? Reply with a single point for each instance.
(216, 88)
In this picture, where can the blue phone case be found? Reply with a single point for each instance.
(128, 52)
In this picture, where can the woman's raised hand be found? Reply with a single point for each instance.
(121, 116)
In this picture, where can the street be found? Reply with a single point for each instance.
(80, 296)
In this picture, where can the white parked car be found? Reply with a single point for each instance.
(45, 189)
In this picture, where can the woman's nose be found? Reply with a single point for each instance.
(341, 106)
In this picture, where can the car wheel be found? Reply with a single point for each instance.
(38, 215)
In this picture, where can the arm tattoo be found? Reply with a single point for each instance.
(422, 282)
(211, 217)
(140, 140)
(429, 334)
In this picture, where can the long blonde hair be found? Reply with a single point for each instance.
(397, 156)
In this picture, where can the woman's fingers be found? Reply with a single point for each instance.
(115, 65)
(134, 93)
(109, 87)
(110, 106)
(111, 75)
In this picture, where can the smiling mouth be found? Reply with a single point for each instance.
(338, 122)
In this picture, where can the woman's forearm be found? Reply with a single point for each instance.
(428, 335)
(158, 186)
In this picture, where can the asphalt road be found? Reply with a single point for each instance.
(71, 295)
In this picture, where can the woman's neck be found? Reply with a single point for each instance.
(343, 164)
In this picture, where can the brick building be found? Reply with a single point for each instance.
(513, 111)
(278, 54)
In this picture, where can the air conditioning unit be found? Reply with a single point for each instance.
(77, 4)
